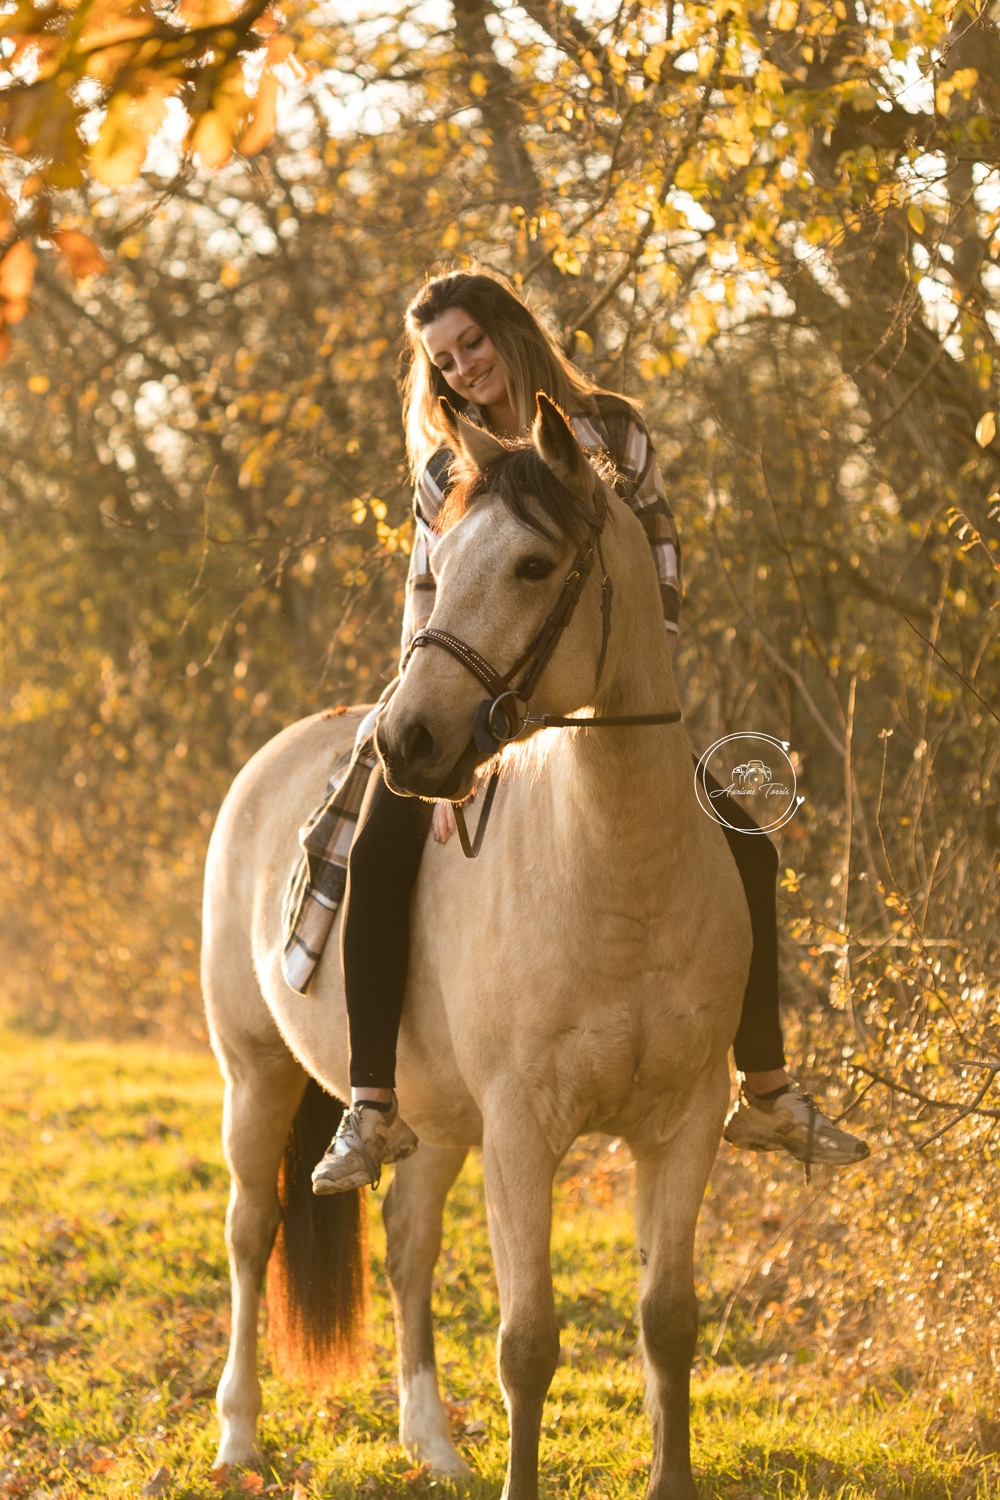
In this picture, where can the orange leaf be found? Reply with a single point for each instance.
(82, 255)
(205, 12)
(17, 273)
(251, 1483)
(262, 122)
(279, 49)
(220, 1477)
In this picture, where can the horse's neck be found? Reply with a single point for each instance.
(630, 790)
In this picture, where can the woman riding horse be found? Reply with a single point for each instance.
(473, 341)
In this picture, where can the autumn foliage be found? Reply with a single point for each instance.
(775, 226)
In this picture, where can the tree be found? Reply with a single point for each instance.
(778, 227)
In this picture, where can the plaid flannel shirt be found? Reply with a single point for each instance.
(616, 429)
(318, 880)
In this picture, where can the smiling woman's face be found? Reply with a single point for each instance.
(466, 358)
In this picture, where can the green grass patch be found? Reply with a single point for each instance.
(114, 1322)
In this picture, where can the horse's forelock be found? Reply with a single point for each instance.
(528, 490)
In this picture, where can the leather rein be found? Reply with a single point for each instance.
(504, 716)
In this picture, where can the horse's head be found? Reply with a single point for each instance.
(519, 524)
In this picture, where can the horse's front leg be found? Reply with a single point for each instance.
(262, 1094)
(413, 1208)
(670, 1184)
(519, 1169)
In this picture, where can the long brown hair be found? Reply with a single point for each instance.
(529, 358)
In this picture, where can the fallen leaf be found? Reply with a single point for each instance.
(986, 429)
(158, 1484)
(251, 1483)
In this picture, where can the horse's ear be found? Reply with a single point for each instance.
(473, 444)
(556, 445)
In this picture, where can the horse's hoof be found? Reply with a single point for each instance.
(447, 1462)
(236, 1452)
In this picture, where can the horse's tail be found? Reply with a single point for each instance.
(317, 1277)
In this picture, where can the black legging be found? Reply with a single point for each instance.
(382, 868)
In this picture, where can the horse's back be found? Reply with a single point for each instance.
(251, 855)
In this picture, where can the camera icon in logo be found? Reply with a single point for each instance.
(751, 776)
(767, 792)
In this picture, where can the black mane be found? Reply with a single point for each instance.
(530, 491)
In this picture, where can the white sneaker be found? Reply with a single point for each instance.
(791, 1123)
(366, 1140)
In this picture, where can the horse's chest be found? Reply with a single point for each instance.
(611, 940)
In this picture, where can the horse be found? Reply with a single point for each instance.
(584, 974)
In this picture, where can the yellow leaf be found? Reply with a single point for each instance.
(38, 384)
(110, 28)
(703, 317)
(567, 261)
(213, 139)
(986, 429)
(214, 134)
(205, 12)
(916, 218)
(654, 62)
(686, 176)
(964, 80)
(117, 155)
(478, 85)
(783, 14)
(450, 237)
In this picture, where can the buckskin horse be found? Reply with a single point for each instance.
(583, 974)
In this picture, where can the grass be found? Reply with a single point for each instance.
(113, 1328)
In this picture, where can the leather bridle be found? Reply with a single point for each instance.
(504, 716)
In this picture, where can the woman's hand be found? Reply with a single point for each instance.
(443, 823)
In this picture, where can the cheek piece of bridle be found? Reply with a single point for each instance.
(504, 716)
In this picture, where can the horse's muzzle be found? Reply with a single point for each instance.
(411, 758)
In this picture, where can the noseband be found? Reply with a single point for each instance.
(504, 716)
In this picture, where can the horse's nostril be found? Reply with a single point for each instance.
(416, 745)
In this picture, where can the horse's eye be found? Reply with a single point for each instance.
(534, 569)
